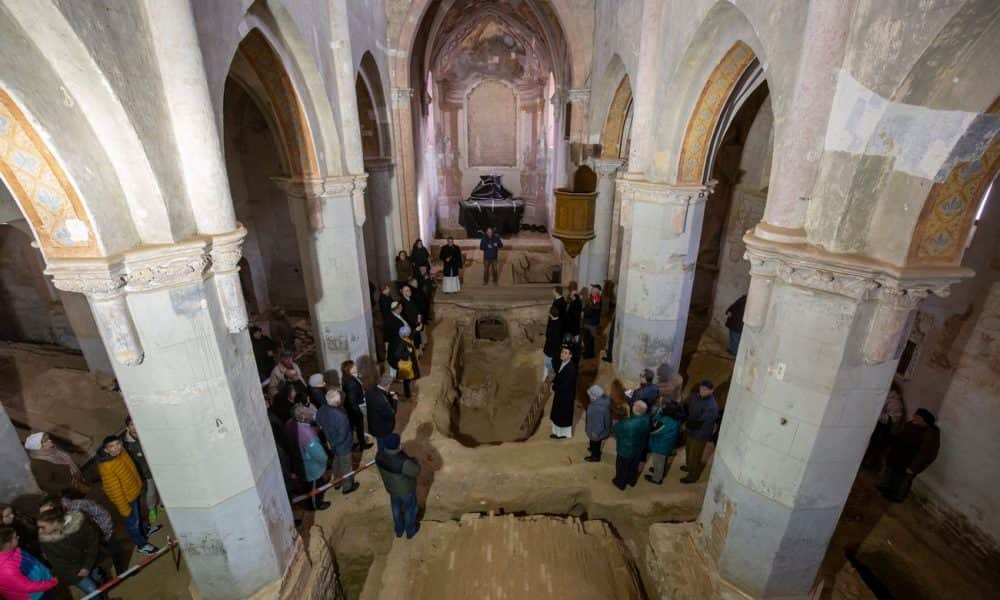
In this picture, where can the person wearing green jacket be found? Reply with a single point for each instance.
(399, 473)
(665, 425)
(632, 435)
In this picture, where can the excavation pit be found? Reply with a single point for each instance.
(497, 392)
(538, 557)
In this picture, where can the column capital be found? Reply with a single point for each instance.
(379, 164)
(401, 96)
(578, 95)
(315, 191)
(107, 280)
(608, 167)
(896, 290)
(634, 189)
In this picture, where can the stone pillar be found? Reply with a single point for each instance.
(87, 335)
(381, 215)
(661, 228)
(406, 165)
(15, 470)
(595, 256)
(328, 215)
(173, 318)
(797, 153)
(821, 341)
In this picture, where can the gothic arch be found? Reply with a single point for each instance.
(285, 105)
(41, 188)
(370, 76)
(614, 137)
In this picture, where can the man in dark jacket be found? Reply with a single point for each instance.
(559, 301)
(734, 323)
(490, 245)
(264, 352)
(574, 312)
(336, 427)
(134, 447)
(71, 543)
(632, 435)
(598, 421)
(564, 396)
(381, 405)
(399, 474)
(354, 401)
(553, 341)
(647, 391)
(702, 413)
(912, 451)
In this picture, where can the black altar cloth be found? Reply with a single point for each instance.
(503, 215)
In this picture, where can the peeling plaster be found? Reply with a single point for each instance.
(923, 142)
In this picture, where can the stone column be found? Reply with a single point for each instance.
(821, 341)
(798, 151)
(595, 256)
(15, 470)
(173, 318)
(328, 215)
(661, 228)
(381, 213)
(87, 335)
(406, 165)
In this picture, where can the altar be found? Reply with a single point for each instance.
(503, 215)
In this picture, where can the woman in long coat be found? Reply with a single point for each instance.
(564, 390)
(451, 256)
(419, 257)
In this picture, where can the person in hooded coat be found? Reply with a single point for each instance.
(564, 390)
(665, 425)
(22, 575)
(451, 257)
(419, 256)
(53, 468)
(314, 458)
(71, 544)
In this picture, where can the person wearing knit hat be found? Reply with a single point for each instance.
(34, 441)
(317, 390)
(914, 448)
(399, 473)
(598, 421)
(54, 469)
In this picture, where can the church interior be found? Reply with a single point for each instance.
(529, 230)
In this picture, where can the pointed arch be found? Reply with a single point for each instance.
(285, 103)
(614, 137)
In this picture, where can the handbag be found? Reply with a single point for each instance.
(405, 369)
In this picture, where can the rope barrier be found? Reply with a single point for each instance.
(131, 571)
(332, 483)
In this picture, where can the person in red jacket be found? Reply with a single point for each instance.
(22, 576)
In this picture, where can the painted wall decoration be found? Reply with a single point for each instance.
(41, 188)
(942, 233)
(293, 127)
(614, 139)
(492, 125)
(704, 120)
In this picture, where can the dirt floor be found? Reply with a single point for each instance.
(899, 550)
(478, 557)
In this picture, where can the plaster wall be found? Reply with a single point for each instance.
(25, 310)
(957, 376)
(616, 53)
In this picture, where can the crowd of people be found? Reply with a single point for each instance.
(67, 539)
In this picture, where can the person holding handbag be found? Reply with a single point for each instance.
(406, 365)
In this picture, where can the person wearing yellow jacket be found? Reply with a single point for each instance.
(123, 486)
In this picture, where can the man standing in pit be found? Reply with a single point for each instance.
(490, 245)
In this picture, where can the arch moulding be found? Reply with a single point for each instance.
(41, 188)
(707, 110)
(612, 137)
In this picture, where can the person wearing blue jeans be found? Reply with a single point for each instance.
(399, 474)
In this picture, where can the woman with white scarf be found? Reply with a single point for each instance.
(53, 468)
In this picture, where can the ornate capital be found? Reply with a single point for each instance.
(379, 164)
(896, 291)
(677, 198)
(107, 281)
(317, 191)
(608, 167)
(578, 96)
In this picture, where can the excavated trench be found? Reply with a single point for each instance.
(497, 382)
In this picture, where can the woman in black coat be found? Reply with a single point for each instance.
(574, 312)
(564, 391)
(419, 256)
(553, 341)
(354, 401)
